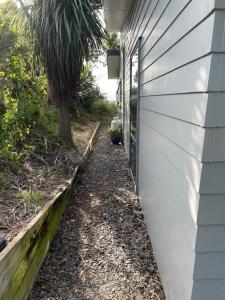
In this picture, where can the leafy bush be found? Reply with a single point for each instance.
(8, 36)
(49, 121)
(116, 135)
(23, 99)
(102, 108)
(7, 153)
(31, 197)
(87, 89)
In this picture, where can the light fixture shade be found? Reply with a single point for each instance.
(113, 62)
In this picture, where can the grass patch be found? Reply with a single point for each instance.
(31, 197)
(101, 108)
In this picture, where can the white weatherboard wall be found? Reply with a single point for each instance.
(182, 139)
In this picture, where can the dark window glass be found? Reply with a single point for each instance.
(134, 93)
(133, 111)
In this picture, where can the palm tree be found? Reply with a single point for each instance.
(65, 34)
(111, 41)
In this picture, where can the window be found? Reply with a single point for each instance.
(133, 110)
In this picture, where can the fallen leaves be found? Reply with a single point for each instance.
(102, 250)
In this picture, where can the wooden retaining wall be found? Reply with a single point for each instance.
(21, 260)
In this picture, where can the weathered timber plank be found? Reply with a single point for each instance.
(21, 260)
(11, 257)
(20, 283)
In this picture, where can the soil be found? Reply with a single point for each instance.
(42, 171)
(102, 248)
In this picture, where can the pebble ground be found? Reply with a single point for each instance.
(102, 249)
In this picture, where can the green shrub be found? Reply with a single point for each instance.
(24, 111)
(31, 197)
(50, 120)
(8, 154)
(102, 108)
(116, 135)
(23, 95)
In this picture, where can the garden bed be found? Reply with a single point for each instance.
(24, 190)
(20, 261)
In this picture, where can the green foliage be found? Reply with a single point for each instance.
(27, 122)
(65, 34)
(111, 41)
(23, 99)
(49, 121)
(22, 95)
(31, 197)
(114, 131)
(116, 135)
(87, 89)
(8, 153)
(101, 108)
(8, 37)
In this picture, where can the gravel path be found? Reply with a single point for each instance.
(102, 249)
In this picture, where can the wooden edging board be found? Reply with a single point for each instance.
(21, 260)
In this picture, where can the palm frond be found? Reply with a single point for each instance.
(65, 34)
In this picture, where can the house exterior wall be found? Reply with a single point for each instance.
(181, 139)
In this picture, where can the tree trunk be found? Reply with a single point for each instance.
(64, 121)
(50, 93)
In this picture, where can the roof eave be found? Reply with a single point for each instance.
(115, 12)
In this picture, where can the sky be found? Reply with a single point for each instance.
(108, 87)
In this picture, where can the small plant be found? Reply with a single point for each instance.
(133, 131)
(116, 135)
(31, 197)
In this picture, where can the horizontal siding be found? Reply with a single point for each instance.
(209, 290)
(190, 78)
(163, 211)
(130, 43)
(144, 17)
(154, 20)
(211, 210)
(217, 73)
(210, 265)
(154, 33)
(187, 107)
(191, 108)
(169, 152)
(215, 116)
(182, 153)
(185, 135)
(209, 272)
(211, 238)
(182, 53)
(180, 25)
(214, 145)
(212, 179)
(219, 4)
(141, 13)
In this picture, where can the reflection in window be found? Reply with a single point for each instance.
(133, 110)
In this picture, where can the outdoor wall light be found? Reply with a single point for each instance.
(113, 62)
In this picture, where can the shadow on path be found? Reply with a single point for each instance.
(102, 249)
